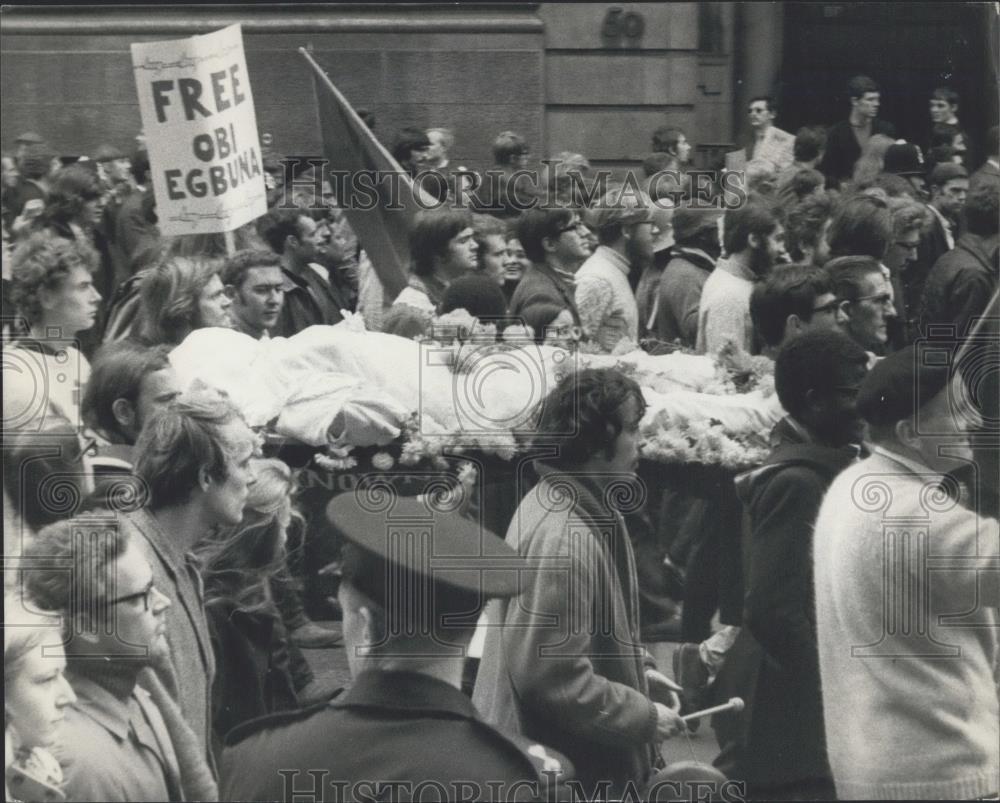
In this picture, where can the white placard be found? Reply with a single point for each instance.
(201, 131)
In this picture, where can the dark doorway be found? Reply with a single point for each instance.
(908, 48)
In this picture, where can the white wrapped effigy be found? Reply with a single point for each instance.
(344, 387)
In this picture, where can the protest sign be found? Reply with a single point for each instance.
(201, 131)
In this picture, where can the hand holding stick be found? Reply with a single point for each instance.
(734, 704)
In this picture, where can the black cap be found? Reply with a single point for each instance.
(428, 541)
(903, 382)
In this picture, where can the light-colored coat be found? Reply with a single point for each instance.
(777, 147)
(562, 663)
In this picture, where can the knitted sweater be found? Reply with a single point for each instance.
(604, 299)
(908, 650)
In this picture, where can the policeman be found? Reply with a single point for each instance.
(414, 583)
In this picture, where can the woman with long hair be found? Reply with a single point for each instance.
(254, 665)
(179, 295)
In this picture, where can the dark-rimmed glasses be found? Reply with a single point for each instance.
(144, 595)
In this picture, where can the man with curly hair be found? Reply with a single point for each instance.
(44, 373)
(563, 664)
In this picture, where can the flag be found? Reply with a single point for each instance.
(380, 212)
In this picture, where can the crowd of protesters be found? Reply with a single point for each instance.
(848, 252)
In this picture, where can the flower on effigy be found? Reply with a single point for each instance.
(328, 463)
(383, 461)
(461, 320)
(484, 331)
(411, 454)
(518, 333)
(467, 473)
(353, 321)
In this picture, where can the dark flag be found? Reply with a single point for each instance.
(380, 211)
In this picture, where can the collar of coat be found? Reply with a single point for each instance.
(695, 256)
(597, 501)
(405, 691)
(975, 246)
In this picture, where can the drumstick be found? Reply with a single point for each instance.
(734, 704)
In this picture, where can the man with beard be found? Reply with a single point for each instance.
(754, 240)
(604, 296)
(256, 285)
(806, 227)
(124, 738)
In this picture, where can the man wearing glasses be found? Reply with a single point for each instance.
(866, 300)
(123, 739)
(792, 301)
(555, 240)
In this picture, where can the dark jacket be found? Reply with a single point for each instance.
(309, 300)
(390, 727)
(680, 294)
(773, 665)
(541, 284)
(986, 174)
(933, 246)
(253, 673)
(842, 149)
(960, 284)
